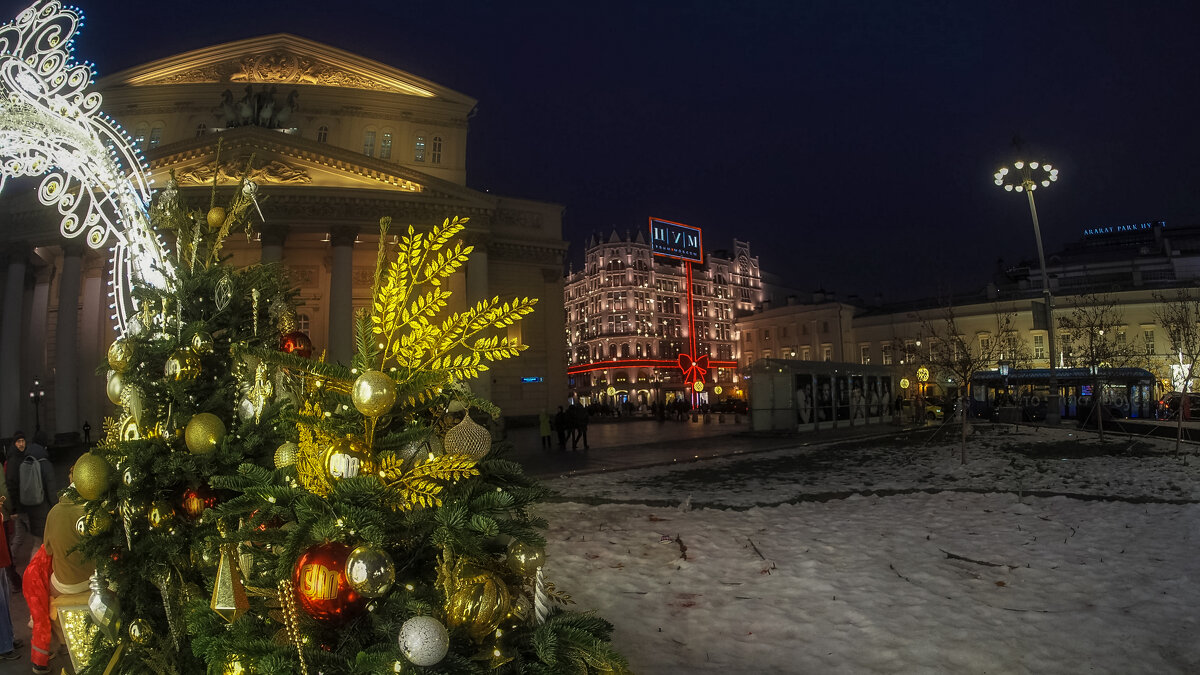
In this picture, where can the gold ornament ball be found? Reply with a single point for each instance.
(370, 571)
(347, 458)
(162, 514)
(120, 355)
(183, 365)
(202, 342)
(140, 631)
(237, 667)
(374, 393)
(95, 524)
(115, 384)
(215, 217)
(91, 475)
(479, 603)
(204, 433)
(285, 455)
(525, 559)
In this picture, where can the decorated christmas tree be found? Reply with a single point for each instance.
(251, 508)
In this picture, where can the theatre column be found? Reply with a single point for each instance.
(273, 238)
(10, 339)
(341, 295)
(66, 346)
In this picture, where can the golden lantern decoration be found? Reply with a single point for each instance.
(120, 355)
(204, 432)
(182, 365)
(468, 438)
(91, 474)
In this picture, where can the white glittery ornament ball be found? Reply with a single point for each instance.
(424, 640)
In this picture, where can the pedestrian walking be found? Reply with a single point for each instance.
(8, 645)
(579, 423)
(544, 428)
(560, 426)
(30, 481)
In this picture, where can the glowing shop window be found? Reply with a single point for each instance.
(385, 146)
(369, 143)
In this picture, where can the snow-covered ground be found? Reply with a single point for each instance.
(889, 556)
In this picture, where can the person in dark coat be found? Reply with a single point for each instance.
(560, 426)
(579, 422)
(29, 521)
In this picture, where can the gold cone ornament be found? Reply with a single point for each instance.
(229, 595)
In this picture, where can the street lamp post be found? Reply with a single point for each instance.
(35, 394)
(1026, 179)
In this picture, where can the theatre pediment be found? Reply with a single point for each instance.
(281, 60)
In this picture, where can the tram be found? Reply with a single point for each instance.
(1124, 392)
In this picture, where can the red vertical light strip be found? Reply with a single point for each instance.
(691, 310)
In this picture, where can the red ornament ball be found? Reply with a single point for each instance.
(296, 342)
(196, 500)
(321, 584)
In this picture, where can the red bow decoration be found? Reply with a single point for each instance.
(693, 371)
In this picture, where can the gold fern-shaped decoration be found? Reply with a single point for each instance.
(420, 486)
(410, 301)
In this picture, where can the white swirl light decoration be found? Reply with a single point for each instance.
(94, 174)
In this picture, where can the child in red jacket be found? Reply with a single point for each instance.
(36, 584)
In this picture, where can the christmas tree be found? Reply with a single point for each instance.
(253, 509)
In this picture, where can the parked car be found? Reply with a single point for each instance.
(1168, 406)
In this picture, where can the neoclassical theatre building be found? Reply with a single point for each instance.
(336, 141)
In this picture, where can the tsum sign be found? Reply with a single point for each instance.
(676, 240)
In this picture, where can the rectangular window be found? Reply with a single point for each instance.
(419, 149)
(864, 352)
(984, 343)
(827, 353)
(886, 351)
(1148, 338)
(766, 334)
(155, 136)
(385, 146)
(435, 150)
(805, 354)
(785, 332)
(1039, 346)
(369, 143)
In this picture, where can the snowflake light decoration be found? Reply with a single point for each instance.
(51, 126)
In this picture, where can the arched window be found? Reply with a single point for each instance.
(625, 350)
(435, 150)
(322, 134)
(419, 149)
(612, 351)
(201, 129)
(385, 146)
(369, 143)
(156, 135)
(139, 134)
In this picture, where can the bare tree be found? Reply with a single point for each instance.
(1090, 338)
(1179, 315)
(959, 356)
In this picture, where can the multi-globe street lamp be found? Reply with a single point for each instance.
(1027, 178)
(36, 393)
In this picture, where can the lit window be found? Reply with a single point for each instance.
(369, 143)
(385, 146)
(322, 134)
(419, 149)
(435, 150)
(864, 352)
(827, 353)
(155, 136)
(1039, 346)
(886, 351)
(139, 134)
(201, 129)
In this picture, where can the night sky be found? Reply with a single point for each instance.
(853, 144)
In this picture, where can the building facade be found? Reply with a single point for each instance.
(335, 142)
(628, 321)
